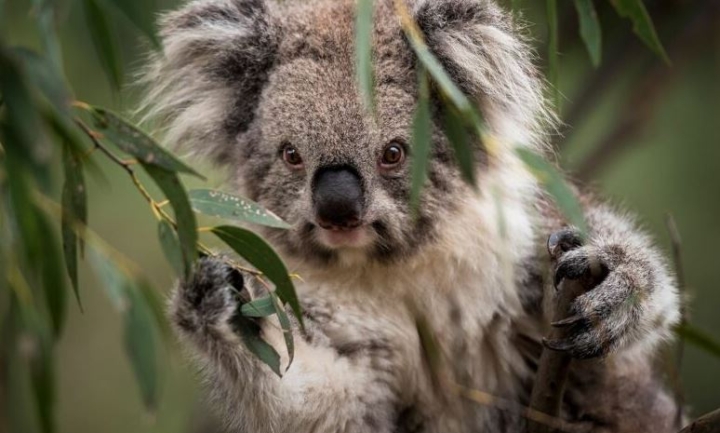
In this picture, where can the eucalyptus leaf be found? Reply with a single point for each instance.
(171, 247)
(231, 207)
(135, 142)
(457, 99)
(555, 185)
(285, 326)
(140, 14)
(260, 307)
(363, 52)
(105, 41)
(421, 139)
(250, 335)
(114, 279)
(140, 344)
(74, 214)
(459, 137)
(590, 30)
(174, 191)
(258, 253)
(156, 305)
(635, 11)
(52, 274)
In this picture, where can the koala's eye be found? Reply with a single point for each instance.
(393, 155)
(291, 156)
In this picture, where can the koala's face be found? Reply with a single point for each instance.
(269, 90)
(342, 179)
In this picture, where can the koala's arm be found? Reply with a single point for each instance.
(631, 304)
(324, 388)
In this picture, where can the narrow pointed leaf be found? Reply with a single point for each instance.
(140, 346)
(114, 280)
(231, 207)
(258, 253)
(171, 247)
(698, 337)
(249, 333)
(261, 307)
(105, 41)
(460, 139)
(74, 214)
(421, 139)
(44, 11)
(141, 14)
(156, 305)
(135, 142)
(53, 280)
(635, 11)
(363, 52)
(285, 326)
(174, 191)
(590, 29)
(553, 48)
(450, 91)
(555, 185)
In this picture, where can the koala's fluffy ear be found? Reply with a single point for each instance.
(203, 88)
(480, 47)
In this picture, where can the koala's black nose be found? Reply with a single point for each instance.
(338, 198)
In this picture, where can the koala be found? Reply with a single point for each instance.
(268, 91)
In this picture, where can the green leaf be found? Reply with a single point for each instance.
(171, 247)
(135, 142)
(105, 41)
(635, 11)
(39, 359)
(41, 73)
(131, 298)
(363, 52)
(699, 338)
(259, 254)
(231, 207)
(554, 183)
(114, 279)
(174, 191)
(590, 29)
(421, 139)
(456, 98)
(51, 270)
(44, 11)
(156, 304)
(261, 307)
(21, 124)
(553, 48)
(141, 14)
(140, 346)
(249, 333)
(74, 214)
(285, 326)
(459, 137)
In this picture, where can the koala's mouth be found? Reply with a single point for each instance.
(360, 237)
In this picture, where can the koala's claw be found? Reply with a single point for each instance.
(563, 241)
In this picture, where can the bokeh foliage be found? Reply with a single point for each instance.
(48, 136)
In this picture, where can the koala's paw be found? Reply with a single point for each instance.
(607, 310)
(212, 294)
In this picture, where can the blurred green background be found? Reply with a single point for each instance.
(643, 133)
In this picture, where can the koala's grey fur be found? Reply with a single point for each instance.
(240, 79)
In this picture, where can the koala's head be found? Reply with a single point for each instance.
(269, 91)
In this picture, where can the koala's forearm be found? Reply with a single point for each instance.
(322, 389)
